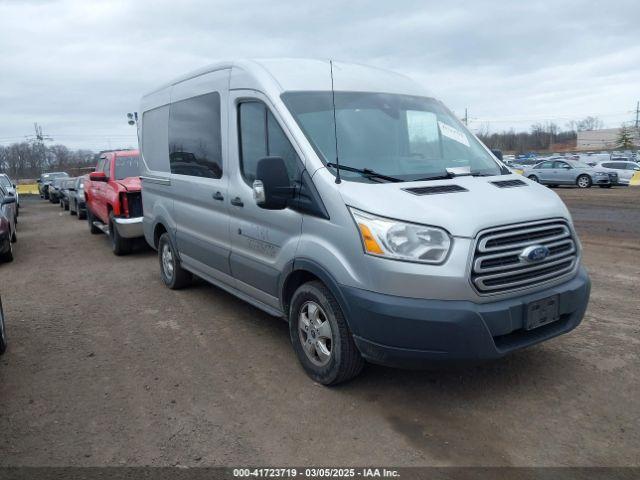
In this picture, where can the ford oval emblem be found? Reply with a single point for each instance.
(534, 253)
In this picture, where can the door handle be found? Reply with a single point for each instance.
(218, 196)
(237, 202)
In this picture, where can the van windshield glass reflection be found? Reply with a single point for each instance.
(401, 136)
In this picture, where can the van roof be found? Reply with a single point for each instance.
(303, 74)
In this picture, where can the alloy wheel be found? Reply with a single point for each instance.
(314, 331)
(167, 261)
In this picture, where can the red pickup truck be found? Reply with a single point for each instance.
(114, 200)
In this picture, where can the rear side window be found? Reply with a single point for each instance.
(154, 139)
(261, 136)
(195, 139)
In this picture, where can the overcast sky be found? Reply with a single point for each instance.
(76, 66)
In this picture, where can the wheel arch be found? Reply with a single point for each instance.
(305, 270)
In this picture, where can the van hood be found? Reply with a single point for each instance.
(462, 213)
(131, 184)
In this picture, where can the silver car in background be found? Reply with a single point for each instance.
(10, 187)
(569, 172)
(624, 169)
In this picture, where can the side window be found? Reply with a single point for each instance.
(155, 145)
(106, 167)
(261, 136)
(195, 138)
(560, 165)
(545, 165)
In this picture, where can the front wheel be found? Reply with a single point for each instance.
(7, 256)
(533, 178)
(119, 245)
(173, 275)
(583, 181)
(321, 337)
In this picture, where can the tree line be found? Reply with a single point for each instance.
(30, 159)
(545, 136)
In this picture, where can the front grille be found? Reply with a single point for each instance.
(135, 204)
(437, 189)
(497, 266)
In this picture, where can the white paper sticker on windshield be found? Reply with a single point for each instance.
(452, 133)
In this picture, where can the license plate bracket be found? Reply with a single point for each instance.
(542, 312)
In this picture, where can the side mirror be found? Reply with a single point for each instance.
(98, 177)
(8, 199)
(14, 186)
(272, 189)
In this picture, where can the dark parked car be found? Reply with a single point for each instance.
(44, 182)
(77, 204)
(7, 225)
(3, 334)
(65, 186)
(54, 189)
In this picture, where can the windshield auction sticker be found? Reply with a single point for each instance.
(453, 133)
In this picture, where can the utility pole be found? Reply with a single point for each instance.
(637, 114)
(38, 142)
(466, 116)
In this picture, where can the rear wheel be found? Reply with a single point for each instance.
(321, 337)
(583, 181)
(92, 228)
(173, 275)
(119, 245)
(8, 255)
(533, 178)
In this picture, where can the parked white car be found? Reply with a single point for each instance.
(624, 168)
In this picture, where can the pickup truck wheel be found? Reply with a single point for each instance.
(321, 337)
(119, 245)
(173, 275)
(583, 181)
(92, 228)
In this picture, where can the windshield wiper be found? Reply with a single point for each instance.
(367, 172)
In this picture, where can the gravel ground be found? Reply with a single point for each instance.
(108, 367)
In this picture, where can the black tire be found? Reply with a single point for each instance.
(584, 181)
(66, 206)
(92, 228)
(82, 215)
(533, 178)
(8, 255)
(345, 361)
(175, 277)
(72, 211)
(3, 332)
(14, 237)
(119, 245)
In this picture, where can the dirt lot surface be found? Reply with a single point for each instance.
(106, 366)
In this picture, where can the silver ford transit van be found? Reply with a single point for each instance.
(355, 205)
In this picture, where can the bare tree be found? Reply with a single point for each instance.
(589, 123)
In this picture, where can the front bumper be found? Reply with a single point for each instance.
(408, 332)
(129, 227)
(602, 181)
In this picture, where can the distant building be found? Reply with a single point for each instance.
(605, 139)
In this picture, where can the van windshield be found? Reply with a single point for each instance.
(401, 136)
(126, 167)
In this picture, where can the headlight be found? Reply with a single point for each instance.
(601, 174)
(384, 237)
